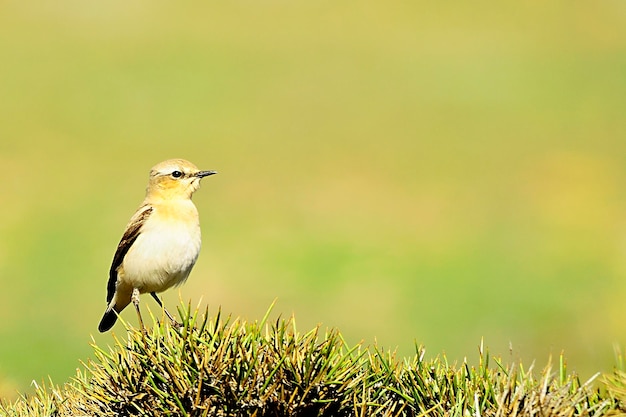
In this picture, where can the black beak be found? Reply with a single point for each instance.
(202, 174)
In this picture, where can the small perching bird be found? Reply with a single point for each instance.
(161, 242)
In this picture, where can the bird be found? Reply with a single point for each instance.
(161, 242)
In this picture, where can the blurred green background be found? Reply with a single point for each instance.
(407, 171)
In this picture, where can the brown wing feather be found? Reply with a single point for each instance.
(130, 235)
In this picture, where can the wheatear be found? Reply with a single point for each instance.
(161, 242)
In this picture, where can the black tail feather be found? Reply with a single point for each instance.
(108, 320)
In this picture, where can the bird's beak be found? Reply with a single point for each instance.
(202, 174)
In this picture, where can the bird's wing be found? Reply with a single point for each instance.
(130, 235)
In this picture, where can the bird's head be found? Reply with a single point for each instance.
(175, 178)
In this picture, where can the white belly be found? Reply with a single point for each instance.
(162, 256)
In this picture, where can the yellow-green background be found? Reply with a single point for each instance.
(404, 171)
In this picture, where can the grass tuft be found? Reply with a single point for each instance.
(216, 366)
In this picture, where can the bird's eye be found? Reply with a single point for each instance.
(177, 174)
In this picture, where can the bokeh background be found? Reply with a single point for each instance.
(408, 172)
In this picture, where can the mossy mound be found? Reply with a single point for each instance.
(223, 367)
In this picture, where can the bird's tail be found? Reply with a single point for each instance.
(108, 320)
(119, 301)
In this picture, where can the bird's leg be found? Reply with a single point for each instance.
(167, 313)
(135, 299)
